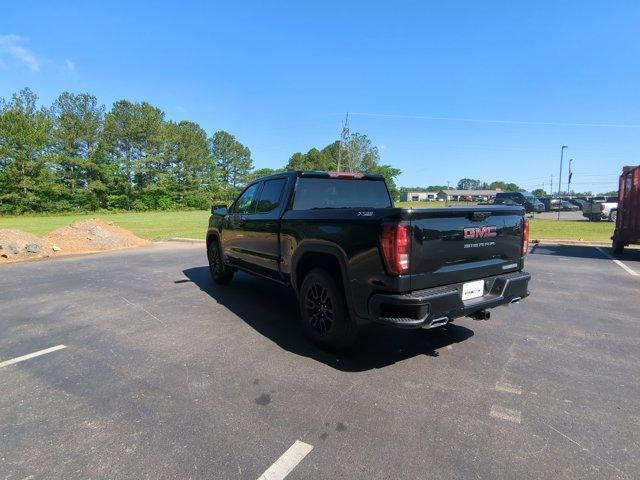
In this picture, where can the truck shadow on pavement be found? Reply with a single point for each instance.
(272, 311)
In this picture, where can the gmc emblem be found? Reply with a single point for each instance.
(480, 232)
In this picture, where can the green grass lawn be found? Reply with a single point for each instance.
(193, 224)
(571, 230)
(149, 225)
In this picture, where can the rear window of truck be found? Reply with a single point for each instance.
(317, 193)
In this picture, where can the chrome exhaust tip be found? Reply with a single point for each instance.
(437, 322)
(515, 300)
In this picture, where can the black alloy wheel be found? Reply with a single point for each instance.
(323, 309)
(220, 273)
(319, 309)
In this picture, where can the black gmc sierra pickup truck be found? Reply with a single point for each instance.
(352, 258)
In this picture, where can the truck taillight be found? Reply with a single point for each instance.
(395, 242)
(525, 236)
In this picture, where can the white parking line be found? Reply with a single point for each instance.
(6, 363)
(507, 387)
(617, 262)
(505, 414)
(287, 461)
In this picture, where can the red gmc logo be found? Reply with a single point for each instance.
(480, 232)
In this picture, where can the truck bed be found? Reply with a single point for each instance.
(440, 253)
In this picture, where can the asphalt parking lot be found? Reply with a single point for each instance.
(164, 375)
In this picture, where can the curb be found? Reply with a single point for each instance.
(574, 243)
(185, 240)
(584, 243)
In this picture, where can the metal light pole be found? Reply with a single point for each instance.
(560, 177)
(344, 134)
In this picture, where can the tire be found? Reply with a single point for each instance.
(221, 274)
(613, 215)
(324, 313)
(617, 246)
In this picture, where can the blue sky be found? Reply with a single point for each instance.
(487, 90)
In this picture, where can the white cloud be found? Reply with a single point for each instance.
(70, 65)
(13, 46)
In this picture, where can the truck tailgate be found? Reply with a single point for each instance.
(451, 245)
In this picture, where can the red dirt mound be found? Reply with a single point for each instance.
(16, 245)
(82, 237)
(90, 236)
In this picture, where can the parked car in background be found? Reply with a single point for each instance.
(600, 209)
(541, 206)
(551, 204)
(628, 217)
(530, 203)
(577, 201)
(567, 206)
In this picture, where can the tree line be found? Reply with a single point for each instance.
(473, 184)
(467, 184)
(355, 154)
(77, 156)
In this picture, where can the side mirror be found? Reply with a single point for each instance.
(220, 210)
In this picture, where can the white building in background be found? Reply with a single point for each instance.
(422, 196)
(467, 195)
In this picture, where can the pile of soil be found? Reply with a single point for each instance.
(91, 236)
(16, 245)
(82, 237)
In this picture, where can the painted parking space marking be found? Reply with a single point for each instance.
(509, 388)
(585, 449)
(287, 461)
(13, 361)
(504, 413)
(618, 262)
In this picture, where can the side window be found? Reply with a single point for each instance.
(244, 204)
(271, 195)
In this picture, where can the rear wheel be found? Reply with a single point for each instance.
(324, 312)
(613, 216)
(220, 273)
